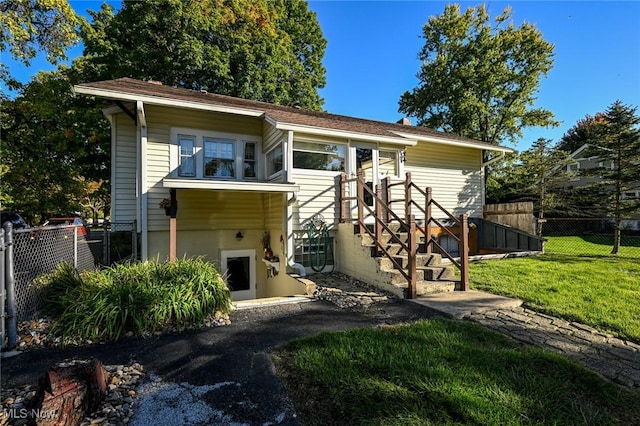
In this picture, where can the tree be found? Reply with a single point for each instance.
(583, 132)
(536, 174)
(54, 145)
(32, 25)
(256, 49)
(545, 166)
(618, 148)
(479, 80)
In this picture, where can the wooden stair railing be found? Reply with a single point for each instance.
(382, 219)
(379, 225)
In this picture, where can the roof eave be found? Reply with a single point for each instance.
(322, 131)
(455, 142)
(164, 101)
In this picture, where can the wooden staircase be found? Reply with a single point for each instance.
(405, 261)
(432, 276)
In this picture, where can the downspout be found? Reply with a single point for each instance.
(142, 124)
(493, 160)
(287, 151)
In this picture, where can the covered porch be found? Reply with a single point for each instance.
(241, 227)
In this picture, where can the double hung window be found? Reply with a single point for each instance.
(186, 147)
(219, 158)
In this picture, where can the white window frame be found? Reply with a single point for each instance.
(218, 156)
(255, 160)
(251, 254)
(180, 138)
(266, 159)
(321, 142)
(239, 141)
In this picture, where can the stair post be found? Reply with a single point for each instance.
(360, 200)
(343, 213)
(427, 221)
(378, 218)
(407, 198)
(386, 185)
(464, 252)
(411, 290)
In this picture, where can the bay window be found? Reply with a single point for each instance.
(205, 154)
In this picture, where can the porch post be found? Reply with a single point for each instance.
(173, 211)
(427, 222)
(387, 198)
(464, 252)
(360, 200)
(343, 213)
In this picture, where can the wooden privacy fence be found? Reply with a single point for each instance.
(517, 215)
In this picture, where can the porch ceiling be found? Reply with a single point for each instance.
(226, 185)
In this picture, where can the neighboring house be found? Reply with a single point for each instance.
(582, 161)
(211, 175)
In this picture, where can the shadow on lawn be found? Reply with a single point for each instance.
(607, 240)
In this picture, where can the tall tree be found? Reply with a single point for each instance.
(545, 167)
(618, 148)
(27, 26)
(256, 49)
(585, 131)
(477, 79)
(55, 148)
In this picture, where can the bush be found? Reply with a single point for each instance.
(138, 297)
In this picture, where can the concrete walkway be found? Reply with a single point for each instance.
(613, 358)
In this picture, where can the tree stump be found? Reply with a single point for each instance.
(69, 392)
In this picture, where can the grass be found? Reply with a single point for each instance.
(596, 289)
(137, 297)
(597, 245)
(440, 372)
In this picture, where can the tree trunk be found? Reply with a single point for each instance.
(66, 394)
(616, 235)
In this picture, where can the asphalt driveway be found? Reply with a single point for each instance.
(225, 371)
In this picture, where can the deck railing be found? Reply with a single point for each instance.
(383, 214)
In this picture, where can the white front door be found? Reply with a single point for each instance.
(239, 267)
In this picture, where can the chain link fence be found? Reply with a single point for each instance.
(590, 236)
(39, 251)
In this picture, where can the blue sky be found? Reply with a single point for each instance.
(371, 56)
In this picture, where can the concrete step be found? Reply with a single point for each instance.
(422, 259)
(425, 273)
(393, 249)
(386, 238)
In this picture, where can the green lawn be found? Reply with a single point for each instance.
(439, 372)
(593, 288)
(593, 245)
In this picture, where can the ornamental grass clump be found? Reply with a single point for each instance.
(140, 297)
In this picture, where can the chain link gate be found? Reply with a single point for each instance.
(120, 242)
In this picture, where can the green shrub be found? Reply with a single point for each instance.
(138, 297)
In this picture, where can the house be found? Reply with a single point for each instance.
(581, 161)
(239, 181)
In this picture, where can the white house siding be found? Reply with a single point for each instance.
(454, 174)
(124, 185)
(159, 122)
(317, 195)
(272, 136)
